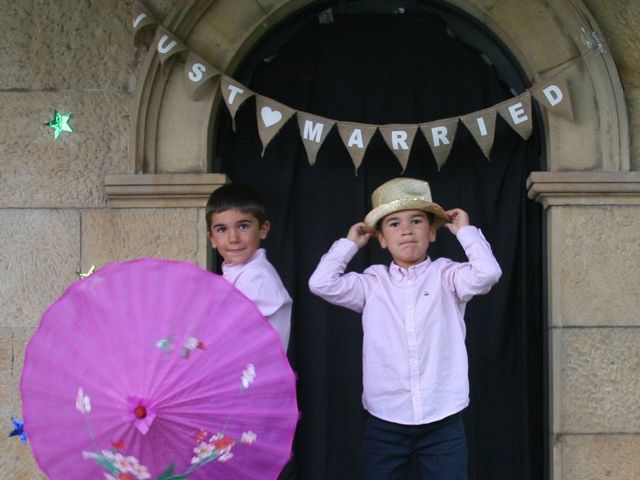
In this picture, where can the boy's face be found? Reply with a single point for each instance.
(407, 234)
(236, 235)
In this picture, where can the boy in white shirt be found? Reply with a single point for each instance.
(236, 224)
(415, 372)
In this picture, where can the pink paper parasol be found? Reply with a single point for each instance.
(161, 361)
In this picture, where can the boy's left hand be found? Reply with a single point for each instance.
(458, 218)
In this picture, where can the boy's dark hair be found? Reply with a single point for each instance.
(430, 216)
(239, 197)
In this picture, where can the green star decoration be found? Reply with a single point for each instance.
(60, 123)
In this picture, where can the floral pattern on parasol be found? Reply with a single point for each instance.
(164, 353)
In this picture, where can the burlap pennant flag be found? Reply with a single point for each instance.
(517, 113)
(167, 45)
(356, 138)
(198, 73)
(440, 135)
(234, 95)
(399, 139)
(554, 96)
(141, 22)
(313, 131)
(271, 117)
(482, 125)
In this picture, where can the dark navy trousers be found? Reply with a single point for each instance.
(440, 448)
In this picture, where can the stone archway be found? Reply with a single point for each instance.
(172, 134)
(588, 161)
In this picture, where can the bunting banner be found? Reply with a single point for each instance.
(198, 73)
(200, 78)
(313, 130)
(440, 135)
(356, 138)
(167, 45)
(143, 19)
(234, 95)
(272, 116)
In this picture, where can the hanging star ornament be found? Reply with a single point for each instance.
(60, 123)
(18, 430)
(89, 272)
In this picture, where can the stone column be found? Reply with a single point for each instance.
(593, 271)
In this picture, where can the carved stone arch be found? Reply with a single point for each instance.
(172, 133)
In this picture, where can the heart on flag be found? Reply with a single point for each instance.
(270, 116)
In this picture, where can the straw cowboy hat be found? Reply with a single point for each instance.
(403, 194)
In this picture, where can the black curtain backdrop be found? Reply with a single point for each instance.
(396, 69)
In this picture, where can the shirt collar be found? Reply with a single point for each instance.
(399, 273)
(231, 267)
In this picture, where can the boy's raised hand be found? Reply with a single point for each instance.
(359, 234)
(458, 218)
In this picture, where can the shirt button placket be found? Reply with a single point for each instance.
(412, 344)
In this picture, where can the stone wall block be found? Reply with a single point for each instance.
(600, 457)
(40, 171)
(17, 459)
(118, 235)
(66, 44)
(621, 29)
(595, 265)
(39, 258)
(598, 380)
(234, 18)
(632, 96)
(525, 21)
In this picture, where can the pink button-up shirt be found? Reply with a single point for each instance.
(414, 355)
(259, 281)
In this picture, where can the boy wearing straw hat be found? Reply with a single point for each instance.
(415, 381)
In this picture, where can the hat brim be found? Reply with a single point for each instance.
(378, 213)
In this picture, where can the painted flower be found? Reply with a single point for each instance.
(248, 438)
(141, 472)
(118, 444)
(124, 464)
(224, 444)
(201, 435)
(248, 375)
(83, 402)
(203, 450)
(225, 456)
(190, 345)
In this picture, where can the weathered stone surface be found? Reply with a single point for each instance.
(66, 44)
(12, 345)
(39, 258)
(594, 265)
(182, 141)
(576, 146)
(584, 457)
(632, 95)
(596, 381)
(522, 22)
(38, 171)
(17, 459)
(118, 235)
(621, 28)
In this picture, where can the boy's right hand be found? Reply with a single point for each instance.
(359, 234)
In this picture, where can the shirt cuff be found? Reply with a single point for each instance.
(345, 248)
(469, 234)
